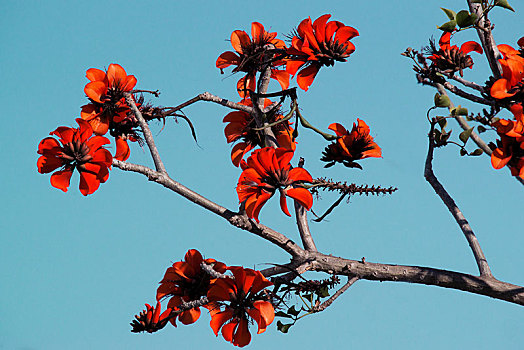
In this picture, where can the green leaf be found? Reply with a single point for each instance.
(464, 136)
(324, 292)
(465, 19)
(292, 311)
(282, 314)
(284, 328)
(481, 129)
(448, 26)
(476, 152)
(504, 4)
(442, 122)
(450, 13)
(441, 100)
(459, 111)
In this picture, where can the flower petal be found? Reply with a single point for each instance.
(302, 196)
(61, 179)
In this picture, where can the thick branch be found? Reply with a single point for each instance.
(238, 220)
(338, 293)
(302, 223)
(206, 96)
(483, 285)
(482, 263)
(486, 38)
(159, 165)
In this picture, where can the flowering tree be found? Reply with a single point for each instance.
(265, 134)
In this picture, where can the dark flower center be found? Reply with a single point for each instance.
(76, 153)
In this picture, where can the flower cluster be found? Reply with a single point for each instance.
(241, 127)
(78, 149)
(242, 299)
(510, 147)
(253, 55)
(108, 110)
(351, 146)
(313, 45)
(186, 281)
(266, 171)
(318, 44)
(231, 300)
(450, 59)
(510, 90)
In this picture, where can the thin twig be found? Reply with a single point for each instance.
(468, 83)
(206, 96)
(464, 125)
(338, 293)
(482, 263)
(150, 141)
(236, 219)
(211, 271)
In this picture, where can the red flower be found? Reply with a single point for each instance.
(252, 55)
(318, 44)
(267, 170)
(512, 81)
(241, 300)
(351, 146)
(241, 127)
(76, 150)
(150, 320)
(510, 147)
(450, 59)
(186, 281)
(106, 92)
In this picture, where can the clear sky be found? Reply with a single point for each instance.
(75, 270)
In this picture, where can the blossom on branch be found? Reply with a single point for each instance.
(266, 171)
(510, 147)
(511, 85)
(351, 146)
(318, 44)
(106, 91)
(77, 149)
(450, 59)
(242, 127)
(252, 55)
(150, 320)
(187, 281)
(242, 299)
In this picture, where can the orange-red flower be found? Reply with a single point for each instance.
(318, 44)
(76, 150)
(242, 299)
(266, 171)
(241, 127)
(252, 56)
(186, 281)
(512, 81)
(106, 92)
(450, 59)
(510, 147)
(150, 320)
(351, 146)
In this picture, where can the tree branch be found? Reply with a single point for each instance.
(159, 165)
(464, 125)
(338, 293)
(483, 27)
(302, 223)
(206, 96)
(483, 285)
(482, 263)
(468, 83)
(236, 219)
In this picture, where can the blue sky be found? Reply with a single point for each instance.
(75, 270)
